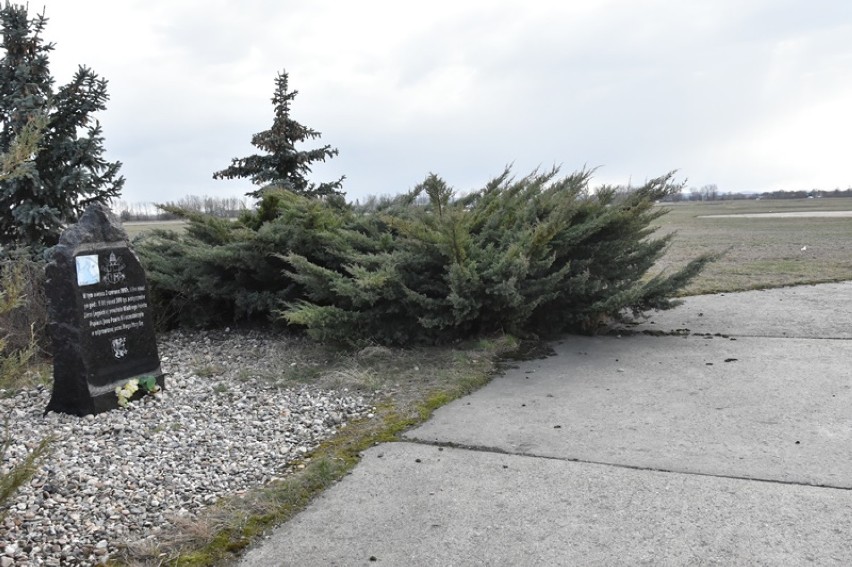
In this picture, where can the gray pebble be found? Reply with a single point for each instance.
(123, 476)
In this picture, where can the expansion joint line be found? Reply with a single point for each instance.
(499, 451)
(756, 336)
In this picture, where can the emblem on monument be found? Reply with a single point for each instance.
(119, 347)
(115, 270)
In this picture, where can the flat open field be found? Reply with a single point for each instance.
(134, 228)
(761, 252)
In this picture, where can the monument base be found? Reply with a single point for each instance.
(84, 403)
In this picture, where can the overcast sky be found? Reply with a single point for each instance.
(750, 95)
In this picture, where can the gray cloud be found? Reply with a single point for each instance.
(747, 94)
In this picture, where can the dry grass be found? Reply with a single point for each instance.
(761, 253)
(135, 228)
(23, 318)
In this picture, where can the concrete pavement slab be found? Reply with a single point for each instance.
(632, 450)
(777, 409)
(817, 311)
(419, 505)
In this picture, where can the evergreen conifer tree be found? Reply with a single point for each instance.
(66, 172)
(282, 166)
(534, 256)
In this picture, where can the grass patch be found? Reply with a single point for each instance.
(760, 253)
(209, 370)
(135, 228)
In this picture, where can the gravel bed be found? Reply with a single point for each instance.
(124, 475)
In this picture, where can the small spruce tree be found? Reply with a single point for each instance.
(66, 171)
(282, 166)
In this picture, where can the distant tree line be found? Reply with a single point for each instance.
(817, 193)
(711, 193)
(221, 207)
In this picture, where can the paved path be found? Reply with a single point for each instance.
(731, 445)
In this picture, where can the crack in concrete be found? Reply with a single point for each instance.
(712, 335)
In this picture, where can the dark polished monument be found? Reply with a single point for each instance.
(99, 313)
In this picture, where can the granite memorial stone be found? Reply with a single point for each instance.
(100, 318)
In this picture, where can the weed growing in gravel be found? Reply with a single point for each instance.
(209, 370)
(300, 373)
(359, 378)
(20, 473)
(244, 375)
